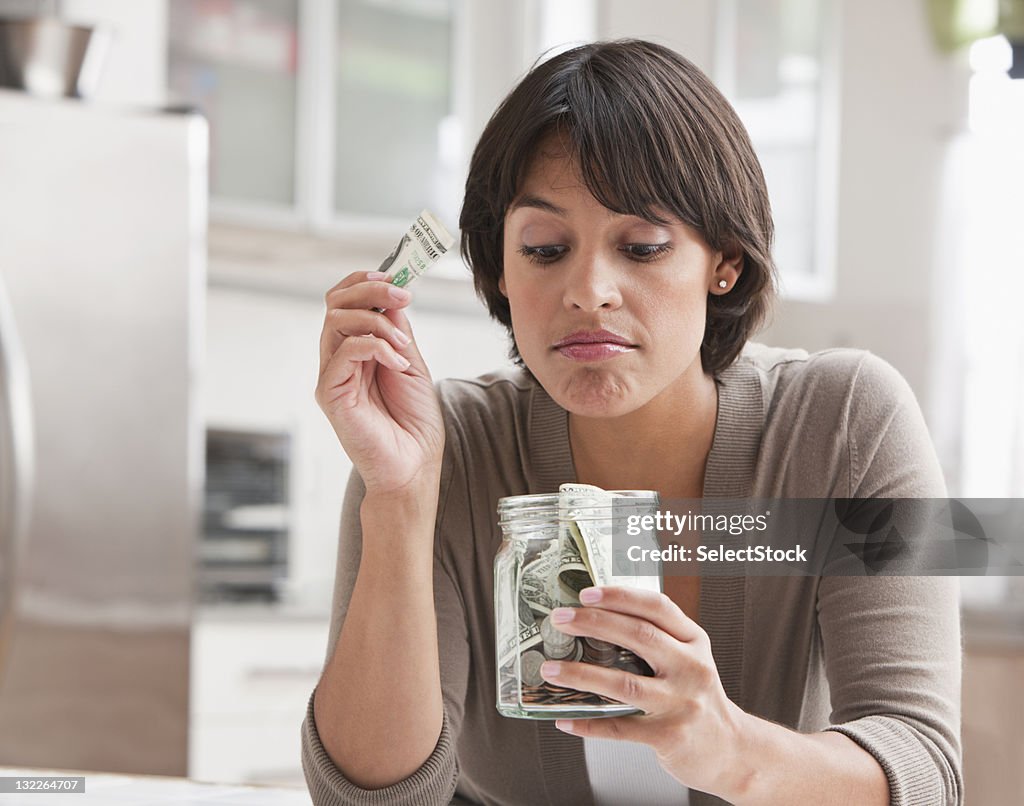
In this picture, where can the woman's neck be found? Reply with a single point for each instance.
(663, 445)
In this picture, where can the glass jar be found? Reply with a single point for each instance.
(553, 546)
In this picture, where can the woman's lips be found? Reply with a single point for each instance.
(593, 345)
(593, 351)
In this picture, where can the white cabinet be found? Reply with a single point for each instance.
(252, 674)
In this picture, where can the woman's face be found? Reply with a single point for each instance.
(608, 310)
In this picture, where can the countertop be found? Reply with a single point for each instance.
(107, 789)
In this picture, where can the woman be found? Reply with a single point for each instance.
(617, 223)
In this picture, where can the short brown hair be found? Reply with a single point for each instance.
(649, 132)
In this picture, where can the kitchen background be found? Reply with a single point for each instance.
(186, 258)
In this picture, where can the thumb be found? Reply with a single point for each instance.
(624, 728)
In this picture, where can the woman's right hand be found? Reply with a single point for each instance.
(374, 386)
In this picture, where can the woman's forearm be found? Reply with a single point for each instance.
(378, 706)
(775, 765)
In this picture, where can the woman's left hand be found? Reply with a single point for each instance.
(694, 728)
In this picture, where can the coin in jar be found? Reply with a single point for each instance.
(598, 652)
(529, 667)
(557, 644)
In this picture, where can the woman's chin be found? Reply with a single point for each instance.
(594, 392)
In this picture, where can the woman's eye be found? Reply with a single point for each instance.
(543, 254)
(645, 252)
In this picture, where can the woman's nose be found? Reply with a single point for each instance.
(592, 284)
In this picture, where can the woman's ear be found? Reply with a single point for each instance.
(501, 286)
(727, 272)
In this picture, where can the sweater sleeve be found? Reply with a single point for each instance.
(892, 644)
(435, 781)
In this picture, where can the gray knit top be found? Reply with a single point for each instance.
(875, 658)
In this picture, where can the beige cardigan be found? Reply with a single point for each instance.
(875, 658)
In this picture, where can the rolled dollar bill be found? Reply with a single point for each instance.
(589, 516)
(420, 248)
(577, 506)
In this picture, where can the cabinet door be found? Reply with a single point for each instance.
(251, 682)
(237, 60)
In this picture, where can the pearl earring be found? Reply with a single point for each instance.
(722, 284)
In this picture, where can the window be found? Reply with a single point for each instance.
(776, 62)
(238, 62)
(323, 113)
(393, 97)
(993, 435)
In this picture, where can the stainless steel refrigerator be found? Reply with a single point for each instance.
(102, 284)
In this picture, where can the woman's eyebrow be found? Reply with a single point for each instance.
(529, 200)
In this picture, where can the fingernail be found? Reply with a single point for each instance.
(590, 595)
(402, 339)
(566, 725)
(375, 275)
(403, 362)
(550, 669)
(560, 615)
(399, 294)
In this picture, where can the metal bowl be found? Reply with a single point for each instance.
(51, 58)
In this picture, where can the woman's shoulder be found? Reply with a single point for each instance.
(844, 418)
(841, 376)
(494, 394)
